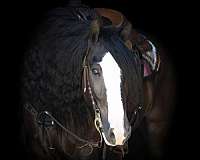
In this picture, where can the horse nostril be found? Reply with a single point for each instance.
(127, 134)
(111, 135)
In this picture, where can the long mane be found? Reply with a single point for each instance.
(52, 71)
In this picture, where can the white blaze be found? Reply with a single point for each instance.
(112, 80)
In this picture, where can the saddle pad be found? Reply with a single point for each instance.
(150, 57)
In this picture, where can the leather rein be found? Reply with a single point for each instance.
(97, 121)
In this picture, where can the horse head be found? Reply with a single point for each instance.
(106, 75)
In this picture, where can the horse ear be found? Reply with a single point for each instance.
(128, 44)
(94, 30)
(118, 20)
(126, 31)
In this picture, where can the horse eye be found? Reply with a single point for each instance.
(95, 71)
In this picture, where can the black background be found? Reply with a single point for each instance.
(168, 22)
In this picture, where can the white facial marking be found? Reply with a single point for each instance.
(112, 80)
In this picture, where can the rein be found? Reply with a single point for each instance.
(41, 120)
(42, 116)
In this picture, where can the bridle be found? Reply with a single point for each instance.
(41, 117)
(45, 119)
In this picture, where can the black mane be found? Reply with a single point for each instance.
(52, 72)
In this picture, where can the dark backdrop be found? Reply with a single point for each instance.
(167, 22)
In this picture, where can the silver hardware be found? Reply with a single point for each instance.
(135, 112)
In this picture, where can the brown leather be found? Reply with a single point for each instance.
(114, 16)
(128, 44)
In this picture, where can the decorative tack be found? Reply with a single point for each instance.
(97, 110)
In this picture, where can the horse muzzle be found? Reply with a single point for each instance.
(113, 138)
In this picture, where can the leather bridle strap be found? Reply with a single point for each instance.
(137, 117)
(87, 89)
(32, 110)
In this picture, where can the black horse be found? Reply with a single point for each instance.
(64, 95)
